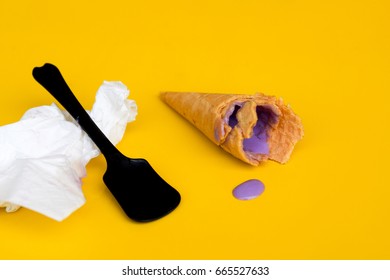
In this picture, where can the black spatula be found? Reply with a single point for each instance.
(140, 191)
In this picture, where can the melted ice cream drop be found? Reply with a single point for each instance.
(249, 189)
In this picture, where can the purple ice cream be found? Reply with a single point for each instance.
(257, 143)
(249, 189)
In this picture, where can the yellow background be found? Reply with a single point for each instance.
(328, 59)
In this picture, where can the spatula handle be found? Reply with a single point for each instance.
(51, 79)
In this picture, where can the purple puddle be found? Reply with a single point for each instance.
(249, 189)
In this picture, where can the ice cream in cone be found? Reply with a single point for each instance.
(253, 128)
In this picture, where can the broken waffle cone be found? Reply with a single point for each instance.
(253, 128)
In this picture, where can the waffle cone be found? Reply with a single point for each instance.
(231, 120)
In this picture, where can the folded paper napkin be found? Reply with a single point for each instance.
(43, 156)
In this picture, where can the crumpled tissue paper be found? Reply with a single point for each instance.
(43, 156)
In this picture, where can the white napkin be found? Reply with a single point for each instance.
(43, 156)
